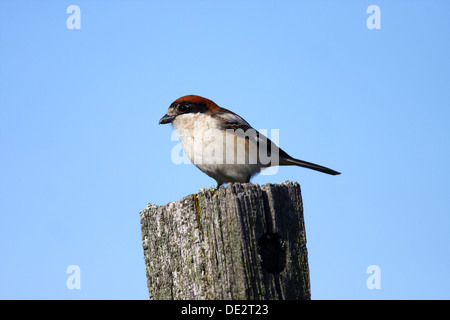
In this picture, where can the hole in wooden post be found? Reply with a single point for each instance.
(273, 252)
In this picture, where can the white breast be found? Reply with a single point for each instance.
(221, 155)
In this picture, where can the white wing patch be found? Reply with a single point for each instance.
(233, 118)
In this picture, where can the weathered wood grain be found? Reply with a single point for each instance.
(243, 241)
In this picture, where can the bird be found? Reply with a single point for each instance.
(222, 144)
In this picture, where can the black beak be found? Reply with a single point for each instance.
(166, 119)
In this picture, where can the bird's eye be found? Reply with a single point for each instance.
(182, 108)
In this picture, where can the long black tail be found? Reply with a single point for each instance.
(291, 161)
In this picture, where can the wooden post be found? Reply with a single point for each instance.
(243, 241)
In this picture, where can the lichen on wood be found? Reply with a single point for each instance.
(243, 241)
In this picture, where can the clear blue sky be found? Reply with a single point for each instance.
(82, 152)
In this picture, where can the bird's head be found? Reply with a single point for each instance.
(188, 105)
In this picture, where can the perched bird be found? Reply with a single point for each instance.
(222, 144)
